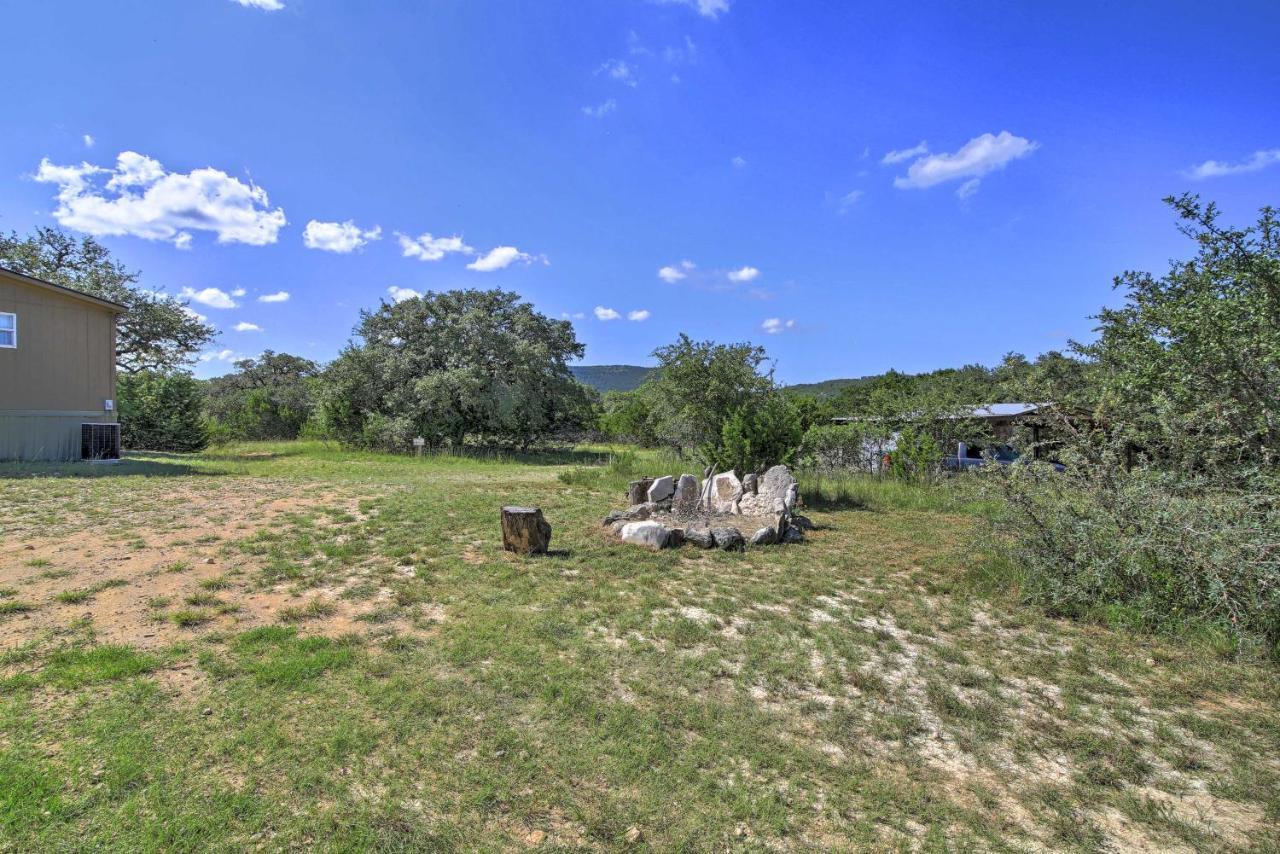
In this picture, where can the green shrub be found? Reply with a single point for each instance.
(762, 434)
(1143, 548)
(161, 412)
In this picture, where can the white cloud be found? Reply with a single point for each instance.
(428, 248)
(686, 53)
(904, 154)
(1217, 168)
(141, 199)
(977, 157)
(340, 237)
(706, 8)
(744, 274)
(212, 297)
(739, 162)
(638, 315)
(500, 258)
(603, 313)
(239, 292)
(246, 326)
(278, 296)
(193, 314)
(88, 140)
(402, 294)
(967, 189)
(264, 5)
(601, 110)
(671, 275)
(219, 356)
(621, 71)
(775, 325)
(849, 199)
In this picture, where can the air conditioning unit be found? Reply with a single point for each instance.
(100, 441)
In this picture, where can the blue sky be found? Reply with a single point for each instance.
(715, 167)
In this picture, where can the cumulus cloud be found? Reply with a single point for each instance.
(212, 297)
(427, 248)
(278, 296)
(601, 110)
(246, 326)
(743, 274)
(401, 294)
(1217, 168)
(673, 273)
(139, 198)
(88, 140)
(739, 162)
(621, 71)
(967, 189)
(340, 237)
(906, 153)
(239, 292)
(218, 356)
(977, 157)
(193, 314)
(706, 8)
(775, 325)
(501, 257)
(603, 313)
(640, 314)
(264, 5)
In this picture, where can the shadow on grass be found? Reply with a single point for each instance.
(85, 469)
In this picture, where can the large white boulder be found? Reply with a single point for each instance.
(726, 492)
(647, 533)
(662, 488)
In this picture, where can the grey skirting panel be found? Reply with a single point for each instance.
(44, 435)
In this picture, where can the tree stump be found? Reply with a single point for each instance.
(638, 491)
(524, 531)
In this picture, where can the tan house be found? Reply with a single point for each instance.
(57, 372)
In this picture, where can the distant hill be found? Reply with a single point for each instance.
(610, 377)
(826, 388)
(628, 377)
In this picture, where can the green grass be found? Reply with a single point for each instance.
(878, 687)
(85, 594)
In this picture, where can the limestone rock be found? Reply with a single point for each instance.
(638, 512)
(792, 535)
(750, 483)
(662, 488)
(775, 485)
(700, 537)
(729, 539)
(638, 491)
(726, 492)
(676, 540)
(685, 502)
(614, 516)
(804, 523)
(766, 536)
(647, 533)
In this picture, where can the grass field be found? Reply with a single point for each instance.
(290, 646)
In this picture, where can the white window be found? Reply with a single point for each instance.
(8, 330)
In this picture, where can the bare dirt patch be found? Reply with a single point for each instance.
(164, 575)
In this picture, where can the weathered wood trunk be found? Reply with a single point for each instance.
(638, 491)
(524, 531)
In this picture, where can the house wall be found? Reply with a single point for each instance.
(59, 377)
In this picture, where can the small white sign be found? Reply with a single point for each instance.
(418, 441)
(108, 405)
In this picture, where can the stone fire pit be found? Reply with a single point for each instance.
(721, 511)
